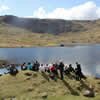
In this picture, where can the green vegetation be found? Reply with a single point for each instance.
(36, 86)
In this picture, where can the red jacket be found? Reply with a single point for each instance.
(52, 68)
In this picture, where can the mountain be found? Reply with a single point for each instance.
(17, 31)
(54, 26)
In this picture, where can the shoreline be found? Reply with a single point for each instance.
(59, 45)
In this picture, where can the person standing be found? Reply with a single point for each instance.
(78, 71)
(61, 68)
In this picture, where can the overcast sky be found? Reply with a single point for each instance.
(59, 9)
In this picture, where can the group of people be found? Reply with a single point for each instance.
(55, 70)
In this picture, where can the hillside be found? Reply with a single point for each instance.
(53, 26)
(28, 32)
(36, 85)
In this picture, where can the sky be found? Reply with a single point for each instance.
(58, 9)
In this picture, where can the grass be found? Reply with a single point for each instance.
(32, 87)
(71, 97)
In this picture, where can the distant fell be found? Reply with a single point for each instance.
(28, 32)
(54, 26)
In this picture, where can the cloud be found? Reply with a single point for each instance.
(4, 8)
(86, 11)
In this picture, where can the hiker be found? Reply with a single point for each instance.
(61, 69)
(36, 66)
(41, 68)
(56, 68)
(70, 68)
(47, 68)
(29, 66)
(3, 65)
(66, 70)
(13, 70)
(52, 69)
(23, 66)
(52, 73)
(78, 72)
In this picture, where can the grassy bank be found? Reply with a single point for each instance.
(34, 86)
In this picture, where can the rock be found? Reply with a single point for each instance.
(43, 81)
(89, 93)
(44, 95)
(30, 89)
(9, 98)
(28, 74)
(35, 84)
(28, 78)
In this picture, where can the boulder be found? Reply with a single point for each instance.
(43, 81)
(28, 74)
(30, 89)
(44, 95)
(28, 78)
(89, 93)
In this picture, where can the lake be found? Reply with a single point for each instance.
(87, 55)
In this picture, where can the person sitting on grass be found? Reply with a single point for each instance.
(41, 68)
(29, 66)
(70, 72)
(66, 71)
(36, 66)
(13, 70)
(23, 66)
(70, 68)
(47, 68)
